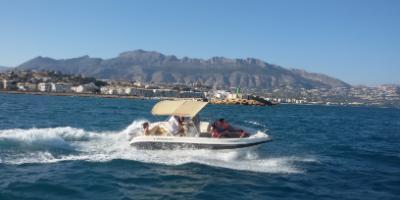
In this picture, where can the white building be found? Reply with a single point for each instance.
(138, 84)
(120, 91)
(113, 90)
(191, 94)
(21, 86)
(232, 96)
(44, 87)
(26, 86)
(128, 90)
(106, 90)
(86, 88)
(4, 84)
(60, 87)
(8, 85)
(220, 94)
(165, 93)
(141, 92)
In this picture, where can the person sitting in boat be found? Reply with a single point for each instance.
(216, 132)
(175, 124)
(172, 126)
(223, 126)
(225, 130)
(155, 130)
(243, 134)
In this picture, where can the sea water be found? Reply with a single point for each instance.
(77, 148)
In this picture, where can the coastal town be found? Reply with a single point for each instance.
(383, 95)
(56, 83)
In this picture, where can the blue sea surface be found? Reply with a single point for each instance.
(65, 147)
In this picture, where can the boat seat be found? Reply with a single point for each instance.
(204, 127)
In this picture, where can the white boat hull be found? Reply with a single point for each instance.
(173, 142)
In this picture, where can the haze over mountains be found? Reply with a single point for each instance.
(151, 66)
(2, 68)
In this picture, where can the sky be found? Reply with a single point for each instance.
(357, 41)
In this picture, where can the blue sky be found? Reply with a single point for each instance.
(356, 41)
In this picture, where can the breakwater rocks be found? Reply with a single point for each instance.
(237, 101)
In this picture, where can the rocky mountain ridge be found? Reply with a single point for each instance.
(151, 66)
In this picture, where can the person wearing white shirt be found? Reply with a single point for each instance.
(173, 125)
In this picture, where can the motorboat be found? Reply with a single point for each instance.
(193, 134)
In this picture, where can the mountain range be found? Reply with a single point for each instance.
(151, 66)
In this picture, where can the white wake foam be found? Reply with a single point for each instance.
(254, 123)
(106, 146)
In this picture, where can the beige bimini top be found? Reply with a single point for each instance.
(183, 108)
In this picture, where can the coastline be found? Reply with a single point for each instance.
(81, 95)
(118, 97)
(109, 96)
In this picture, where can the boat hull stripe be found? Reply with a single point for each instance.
(179, 145)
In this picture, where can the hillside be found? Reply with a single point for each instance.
(150, 66)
